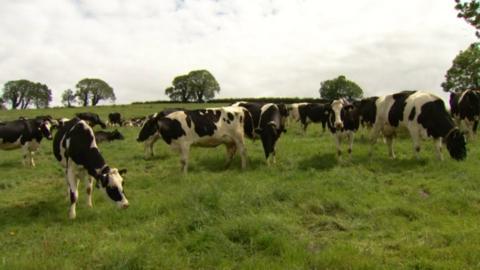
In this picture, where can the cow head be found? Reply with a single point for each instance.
(455, 141)
(337, 106)
(116, 135)
(149, 128)
(45, 129)
(112, 181)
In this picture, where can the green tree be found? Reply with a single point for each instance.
(92, 91)
(470, 12)
(22, 93)
(179, 90)
(198, 85)
(68, 98)
(202, 85)
(340, 87)
(465, 71)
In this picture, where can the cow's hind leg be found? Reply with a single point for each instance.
(240, 145)
(89, 181)
(391, 152)
(184, 153)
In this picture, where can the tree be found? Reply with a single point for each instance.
(92, 91)
(465, 71)
(202, 85)
(470, 12)
(22, 93)
(68, 98)
(198, 85)
(340, 87)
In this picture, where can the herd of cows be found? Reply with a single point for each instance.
(75, 143)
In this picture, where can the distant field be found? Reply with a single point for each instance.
(305, 212)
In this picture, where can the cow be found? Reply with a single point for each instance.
(367, 110)
(149, 134)
(269, 123)
(135, 121)
(115, 118)
(75, 148)
(307, 113)
(102, 136)
(206, 128)
(92, 119)
(424, 115)
(26, 134)
(465, 109)
(343, 121)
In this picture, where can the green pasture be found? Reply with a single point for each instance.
(308, 211)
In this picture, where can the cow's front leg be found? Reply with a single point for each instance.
(389, 140)
(184, 153)
(350, 144)
(231, 150)
(73, 189)
(438, 148)
(337, 144)
(89, 180)
(240, 144)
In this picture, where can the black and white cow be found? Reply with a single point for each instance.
(75, 148)
(367, 110)
(115, 118)
(307, 113)
(108, 136)
(92, 119)
(343, 121)
(206, 128)
(149, 134)
(424, 115)
(135, 121)
(26, 134)
(465, 109)
(269, 122)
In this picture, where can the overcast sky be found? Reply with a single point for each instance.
(253, 48)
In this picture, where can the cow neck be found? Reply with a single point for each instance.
(450, 132)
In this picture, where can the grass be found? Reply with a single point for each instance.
(306, 212)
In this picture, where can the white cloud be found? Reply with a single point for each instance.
(253, 48)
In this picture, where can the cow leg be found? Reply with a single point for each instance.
(389, 141)
(27, 155)
(337, 144)
(374, 136)
(73, 189)
(438, 148)
(305, 125)
(148, 150)
(184, 153)
(350, 144)
(89, 180)
(416, 144)
(231, 150)
(240, 145)
(324, 125)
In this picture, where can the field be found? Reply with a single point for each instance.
(306, 212)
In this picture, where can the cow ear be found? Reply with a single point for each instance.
(122, 171)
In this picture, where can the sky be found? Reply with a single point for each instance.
(253, 48)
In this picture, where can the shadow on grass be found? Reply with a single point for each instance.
(12, 163)
(321, 161)
(42, 211)
(217, 164)
(386, 165)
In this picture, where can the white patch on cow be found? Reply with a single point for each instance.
(337, 106)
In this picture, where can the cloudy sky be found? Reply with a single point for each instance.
(253, 48)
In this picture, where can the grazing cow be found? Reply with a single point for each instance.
(102, 136)
(269, 122)
(150, 133)
(424, 115)
(206, 128)
(343, 121)
(75, 148)
(115, 118)
(307, 113)
(26, 134)
(465, 108)
(135, 121)
(92, 119)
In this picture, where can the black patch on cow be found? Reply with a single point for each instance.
(149, 128)
(170, 129)
(367, 109)
(255, 111)
(411, 116)
(435, 119)
(469, 106)
(102, 136)
(115, 118)
(204, 121)
(230, 116)
(27, 130)
(456, 144)
(314, 112)
(92, 119)
(270, 128)
(395, 115)
(113, 193)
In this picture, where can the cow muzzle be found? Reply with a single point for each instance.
(338, 125)
(123, 204)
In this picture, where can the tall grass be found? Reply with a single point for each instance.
(306, 212)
